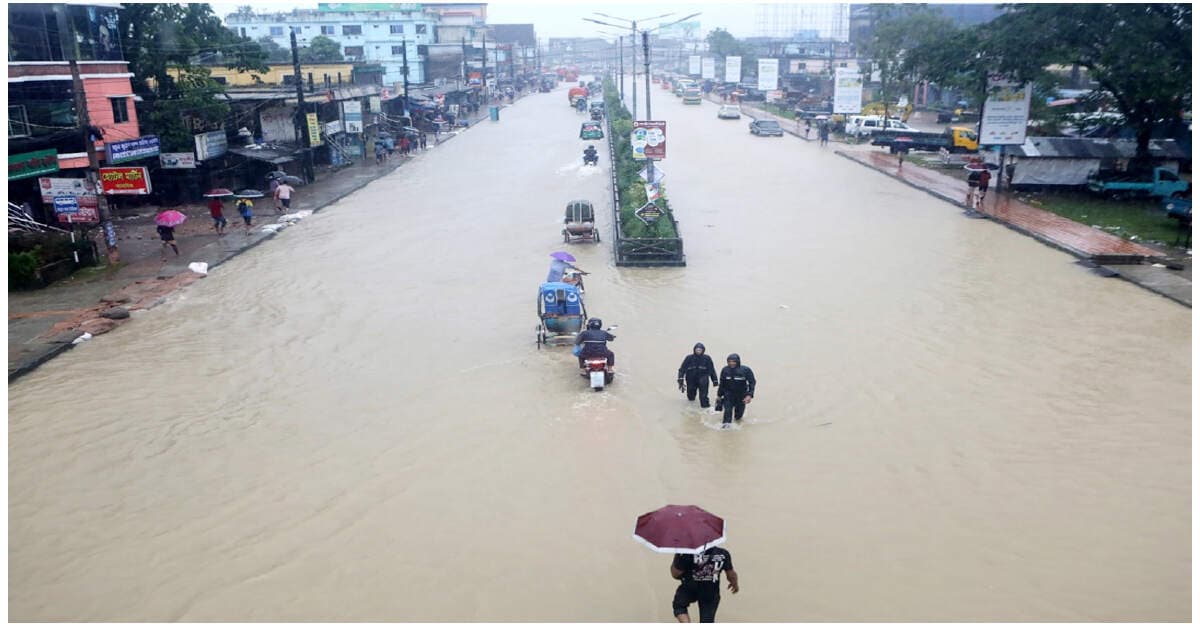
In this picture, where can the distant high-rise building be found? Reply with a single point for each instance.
(830, 20)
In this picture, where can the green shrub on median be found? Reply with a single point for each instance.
(629, 184)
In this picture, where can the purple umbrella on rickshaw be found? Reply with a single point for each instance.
(562, 256)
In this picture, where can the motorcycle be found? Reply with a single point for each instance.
(592, 159)
(597, 371)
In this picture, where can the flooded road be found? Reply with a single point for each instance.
(352, 422)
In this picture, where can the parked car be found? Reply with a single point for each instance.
(766, 127)
(729, 112)
(864, 126)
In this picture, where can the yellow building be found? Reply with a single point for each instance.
(277, 72)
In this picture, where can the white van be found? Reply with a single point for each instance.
(864, 126)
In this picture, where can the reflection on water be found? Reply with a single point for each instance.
(953, 422)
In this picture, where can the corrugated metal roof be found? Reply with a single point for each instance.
(1094, 148)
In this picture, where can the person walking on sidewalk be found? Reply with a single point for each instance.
(985, 178)
(422, 140)
(823, 133)
(694, 373)
(245, 207)
(167, 235)
(736, 389)
(283, 197)
(972, 187)
(699, 577)
(217, 211)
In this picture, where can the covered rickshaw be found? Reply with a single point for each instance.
(579, 224)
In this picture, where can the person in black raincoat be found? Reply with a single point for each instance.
(736, 388)
(694, 374)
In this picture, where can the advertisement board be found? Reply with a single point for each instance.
(127, 180)
(27, 165)
(177, 160)
(708, 68)
(649, 139)
(352, 116)
(694, 64)
(211, 145)
(847, 91)
(131, 150)
(1005, 112)
(87, 204)
(314, 129)
(768, 74)
(733, 69)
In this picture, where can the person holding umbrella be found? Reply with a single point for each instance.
(561, 262)
(165, 223)
(692, 534)
(217, 211)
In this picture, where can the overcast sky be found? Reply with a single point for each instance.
(564, 19)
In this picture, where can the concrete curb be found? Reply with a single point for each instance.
(1036, 236)
(54, 349)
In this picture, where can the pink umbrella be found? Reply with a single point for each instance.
(170, 218)
(679, 530)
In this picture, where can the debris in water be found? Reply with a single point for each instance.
(783, 307)
(823, 424)
(200, 268)
(84, 338)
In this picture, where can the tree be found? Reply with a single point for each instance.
(722, 43)
(321, 50)
(275, 52)
(163, 45)
(1141, 54)
(898, 30)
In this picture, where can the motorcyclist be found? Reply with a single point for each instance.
(736, 388)
(694, 373)
(589, 154)
(594, 341)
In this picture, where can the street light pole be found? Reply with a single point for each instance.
(621, 65)
(646, 58)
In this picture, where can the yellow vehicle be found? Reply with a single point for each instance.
(955, 140)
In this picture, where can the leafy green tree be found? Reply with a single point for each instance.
(164, 44)
(321, 50)
(1140, 54)
(898, 30)
(275, 52)
(723, 44)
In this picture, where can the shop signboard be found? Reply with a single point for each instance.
(352, 116)
(87, 205)
(126, 180)
(333, 128)
(314, 129)
(131, 150)
(649, 212)
(177, 160)
(27, 165)
(649, 139)
(211, 145)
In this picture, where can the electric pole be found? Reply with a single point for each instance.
(85, 125)
(621, 66)
(404, 70)
(301, 121)
(646, 57)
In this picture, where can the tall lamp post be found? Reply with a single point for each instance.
(633, 48)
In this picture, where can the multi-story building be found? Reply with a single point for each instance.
(382, 33)
(459, 21)
(42, 114)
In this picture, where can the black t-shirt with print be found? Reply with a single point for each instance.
(704, 570)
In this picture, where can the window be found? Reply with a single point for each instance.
(397, 29)
(352, 29)
(120, 109)
(420, 29)
(276, 31)
(328, 29)
(353, 51)
(398, 50)
(18, 122)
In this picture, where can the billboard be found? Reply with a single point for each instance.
(768, 74)
(708, 68)
(1005, 112)
(314, 129)
(27, 165)
(733, 69)
(694, 64)
(847, 91)
(177, 160)
(210, 145)
(352, 116)
(649, 139)
(87, 204)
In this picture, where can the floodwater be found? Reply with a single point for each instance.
(353, 422)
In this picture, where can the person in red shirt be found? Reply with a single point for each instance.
(218, 215)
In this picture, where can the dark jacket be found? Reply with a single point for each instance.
(594, 341)
(736, 382)
(696, 368)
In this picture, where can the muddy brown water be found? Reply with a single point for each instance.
(352, 422)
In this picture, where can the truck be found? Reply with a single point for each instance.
(1159, 183)
(955, 140)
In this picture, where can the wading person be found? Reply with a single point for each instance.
(736, 389)
(694, 373)
(699, 578)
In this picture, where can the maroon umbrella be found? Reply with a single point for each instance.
(218, 193)
(679, 530)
